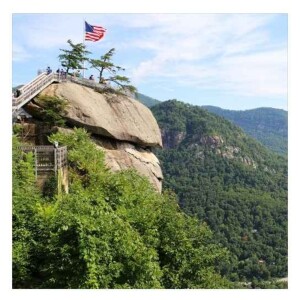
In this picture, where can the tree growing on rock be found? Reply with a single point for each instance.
(74, 58)
(105, 65)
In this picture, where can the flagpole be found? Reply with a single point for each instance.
(83, 44)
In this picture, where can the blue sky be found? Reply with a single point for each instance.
(236, 61)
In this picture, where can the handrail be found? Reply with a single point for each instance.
(86, 82)
(92, 84)
(31, 89)
(35, 86)
(47, 157)
(42, 147)
(36, 79)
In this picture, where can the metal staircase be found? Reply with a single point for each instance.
(31, 89)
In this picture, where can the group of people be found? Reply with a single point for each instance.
(61, 73)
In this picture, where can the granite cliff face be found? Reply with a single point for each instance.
(172, 138)
(122, 127)
(121, 155)
(115, 116)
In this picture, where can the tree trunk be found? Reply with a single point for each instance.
(100, 75)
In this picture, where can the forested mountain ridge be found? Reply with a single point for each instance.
(232, 182)
(146, 100)
(267, 125)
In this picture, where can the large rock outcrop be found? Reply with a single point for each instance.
(122, 127)
(115, 116)
(121, 155)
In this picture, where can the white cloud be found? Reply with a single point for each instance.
(259, 74)
(20, 54)
(231, 52)
(246, 43)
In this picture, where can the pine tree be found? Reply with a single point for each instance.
(104, 64)
(74, 58)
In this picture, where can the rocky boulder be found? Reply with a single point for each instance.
(212, 141)
(115, 116)
(123, 155)
(122, 127)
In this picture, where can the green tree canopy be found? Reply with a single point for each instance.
(75, 57)
(105, 65)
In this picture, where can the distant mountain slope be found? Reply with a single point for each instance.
(267, 125)
(146, 100)
(230, 181)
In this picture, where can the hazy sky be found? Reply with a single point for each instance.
(236, 61)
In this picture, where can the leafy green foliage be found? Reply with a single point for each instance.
(267, 125)
(241, 195)
(111, 231)
(17, 129)
(53, 110)
(50, 187)
(74, 58)
(105, 66)
(25, 196)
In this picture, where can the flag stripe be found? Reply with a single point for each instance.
(94, 39)
(98, 28)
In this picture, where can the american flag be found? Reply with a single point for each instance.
(93, 33)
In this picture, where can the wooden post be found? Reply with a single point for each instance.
(60, 156)
(55, 161)
(35, 163)
(48, 159)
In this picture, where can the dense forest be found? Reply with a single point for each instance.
(267, 125)
(112, 230)
(231, 182)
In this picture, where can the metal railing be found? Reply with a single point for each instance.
(93, 84)
(86, 82)
(31, 89)
(47, 158)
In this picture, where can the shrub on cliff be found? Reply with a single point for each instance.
(53, 110)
